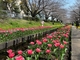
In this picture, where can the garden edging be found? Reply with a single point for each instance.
(13, 42)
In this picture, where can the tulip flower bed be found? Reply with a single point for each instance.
(6, 35)
(51, 47)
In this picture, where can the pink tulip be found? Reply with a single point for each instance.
(38, 42)
(54, 36)
(65, 35)
(9, 51)
(61, 46)
(29, 52)
(20, 52)
(65, 42)
(50, 37)
(48, 51)
(32, 43)
(11, 55)
(10, 32)
(55, 41)
(19, 58)
(38, 50)
(57, 44)
(44, 40)
(49, 45)
(59, 37)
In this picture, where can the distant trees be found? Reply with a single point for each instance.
(49, 8)
(36, 6)
(75, 12)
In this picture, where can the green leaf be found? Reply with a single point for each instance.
(10, 58)
(55, 49)
(28, 58)
(62, 57)
(65, 49)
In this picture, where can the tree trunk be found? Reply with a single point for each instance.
(46, 18)
(33, 16)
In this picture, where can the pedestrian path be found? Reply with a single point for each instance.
(75, 44)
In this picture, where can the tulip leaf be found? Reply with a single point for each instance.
(55, 49)
(65, 49)
(28, 58)
(62, 57)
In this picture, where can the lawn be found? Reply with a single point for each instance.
(21, 23)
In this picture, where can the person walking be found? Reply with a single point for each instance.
(77, 24)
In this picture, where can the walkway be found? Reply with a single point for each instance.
(75, 44)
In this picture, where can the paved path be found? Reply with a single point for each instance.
(75, 44)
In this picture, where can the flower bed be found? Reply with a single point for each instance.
(26, 37)
(6, 35)
(51, 47)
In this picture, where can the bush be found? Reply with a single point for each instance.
(3, 15)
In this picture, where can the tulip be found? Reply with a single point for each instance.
(65, 42)
(9, 51)
(19, 58)
(38, 50)
(32, 43)
(61, 46)
(20, 52)
(50, 37)
(49, 45)
(11, 55)
(57, 44)
(38, 42)
(29, 52)
(44, 40)
(48, 51)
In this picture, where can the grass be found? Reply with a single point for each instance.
(20, 23)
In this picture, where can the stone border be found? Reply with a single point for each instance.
(28, 38)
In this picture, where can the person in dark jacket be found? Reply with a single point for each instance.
(77, 24)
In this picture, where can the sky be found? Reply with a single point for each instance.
(69, 3)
